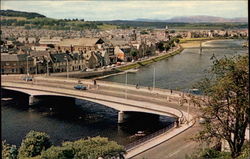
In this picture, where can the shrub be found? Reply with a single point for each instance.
(33, 144)
(56, 152)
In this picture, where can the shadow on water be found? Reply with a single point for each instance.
(67, 121)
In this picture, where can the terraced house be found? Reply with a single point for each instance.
(80, 44)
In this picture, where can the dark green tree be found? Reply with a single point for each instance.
(95, 147)
(160, 46)
(33, 144)
(134, 53)
(56, 152)
(8, 151)
(227, 104)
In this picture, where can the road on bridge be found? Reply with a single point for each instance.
(176, 147)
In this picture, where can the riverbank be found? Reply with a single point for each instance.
(151, 60)
(162, 56)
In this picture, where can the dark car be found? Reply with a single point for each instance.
(80, 87)
(27, 78)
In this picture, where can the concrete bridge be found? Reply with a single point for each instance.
(139, 100)
(120, 104)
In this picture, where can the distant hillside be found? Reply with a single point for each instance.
(198, 19)
(177, 25)
(12, 13)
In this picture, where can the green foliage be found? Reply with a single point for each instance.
(134, 52)
(160, 46)
(167, 47)
(12, 13)
(33, 144)
(94, 148)
(9, 152)
(144, 32)
(56, 152)
(227, 105)
(212, 153)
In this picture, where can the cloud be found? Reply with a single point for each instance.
(108, 10)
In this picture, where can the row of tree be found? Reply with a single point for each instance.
(47, 23)
(161, 46)
(12, 13)
(38, 145)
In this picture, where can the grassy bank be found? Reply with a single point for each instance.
(146, 62)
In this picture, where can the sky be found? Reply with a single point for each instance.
(129, 9)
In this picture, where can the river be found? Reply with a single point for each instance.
(89, 119)
(183, 70)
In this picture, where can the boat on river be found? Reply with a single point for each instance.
(6, 99)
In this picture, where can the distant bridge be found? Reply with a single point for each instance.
(209, 47)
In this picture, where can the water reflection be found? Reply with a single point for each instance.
(68, 122)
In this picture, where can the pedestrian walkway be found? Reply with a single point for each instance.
(158, 140)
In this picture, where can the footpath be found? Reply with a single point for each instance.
(158, 140)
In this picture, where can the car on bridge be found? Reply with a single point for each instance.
(80, 87)
(27, 78)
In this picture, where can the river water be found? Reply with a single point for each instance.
(84, 119)
(182, 71)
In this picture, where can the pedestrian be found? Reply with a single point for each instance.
(171, 91)
(137, 85)
(177, 122)
(94, 82)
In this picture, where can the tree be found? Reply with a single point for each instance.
(160, 46)
(167, 47)
(56, 152)
(33, 144)
(8, 151)
(133, 53)
(177, 40)
(226, 107)
(95, 147)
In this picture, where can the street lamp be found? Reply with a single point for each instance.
(154, 79)
(65, 57)
(47, 67)
(27, 58)
(126, 83)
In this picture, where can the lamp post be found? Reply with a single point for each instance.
(154, 80)
(126, 83)
(188, 108)
(47, 67)
(65, 57)
(27, 58)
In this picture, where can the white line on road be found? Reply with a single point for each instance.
(180, 149)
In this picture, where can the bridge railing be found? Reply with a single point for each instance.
(148, 137)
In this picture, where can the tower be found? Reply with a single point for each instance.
(166, 33)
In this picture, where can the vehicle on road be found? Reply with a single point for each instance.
(27, 78)
(203, 120)
(80, 87)
(194, 91)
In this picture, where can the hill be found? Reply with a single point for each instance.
(198, 19)
(12, 13)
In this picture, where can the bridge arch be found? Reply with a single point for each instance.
(121, 105)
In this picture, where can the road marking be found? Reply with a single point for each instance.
(170, 155)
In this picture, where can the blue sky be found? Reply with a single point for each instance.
(127, 10)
